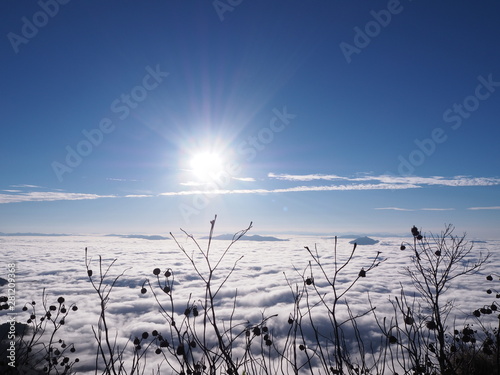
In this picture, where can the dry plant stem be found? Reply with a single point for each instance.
(341, 355)
(223, 336)
(111, 356)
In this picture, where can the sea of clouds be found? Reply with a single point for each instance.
(57, 265)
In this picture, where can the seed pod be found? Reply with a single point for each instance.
(409, 320)
(143, 290)
(392, 339)
(89, 273)
(489, 278)
(164, 344)
(145, 335)
(168, 273)
(403, 247)
(60, 300)
(156, 271)
(74, 308)
(362, 273)
(158, 351)
(302, 347)
(195, 311)
(166, 289)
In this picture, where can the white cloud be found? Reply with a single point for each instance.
(259, 278)
(44, 196)
(26, 186)
(244, 179)
(296, 189)
(414, 209)
(437, 209)
(394, 208)
(485, 208)
(433, 180)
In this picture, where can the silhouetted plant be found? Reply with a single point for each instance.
(420, 328)
(39, 347)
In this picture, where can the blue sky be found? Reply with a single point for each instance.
(326, 117)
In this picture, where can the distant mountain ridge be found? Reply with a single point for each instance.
(254, 237)
(35, 234)
(140, 236)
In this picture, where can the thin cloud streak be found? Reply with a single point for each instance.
(433, 180)
(48, 196)
(393, 208)
(484, 208)
(414, 209)
(295, 189)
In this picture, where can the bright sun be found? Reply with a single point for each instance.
(206, 164)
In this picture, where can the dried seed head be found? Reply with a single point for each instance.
(156, 271)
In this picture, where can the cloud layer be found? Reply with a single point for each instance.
(259, 279)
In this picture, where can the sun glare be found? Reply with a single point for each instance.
(206, 164)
